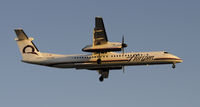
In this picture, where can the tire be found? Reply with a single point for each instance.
(101, 79)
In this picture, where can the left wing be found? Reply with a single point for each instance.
(99, 34)
(100, 40)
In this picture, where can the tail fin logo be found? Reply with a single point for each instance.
(26, 50)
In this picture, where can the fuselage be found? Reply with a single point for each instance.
(108, 60)
(102, 57)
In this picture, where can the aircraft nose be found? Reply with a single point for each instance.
(177, 59)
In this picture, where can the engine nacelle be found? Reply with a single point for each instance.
(110, 46)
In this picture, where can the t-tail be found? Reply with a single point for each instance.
(27, 48)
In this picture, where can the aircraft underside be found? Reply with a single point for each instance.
(103, 68)
(102, 65)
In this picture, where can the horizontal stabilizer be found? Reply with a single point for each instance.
(20, 34)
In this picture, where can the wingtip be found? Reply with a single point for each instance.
(18, 29)
(98, 17)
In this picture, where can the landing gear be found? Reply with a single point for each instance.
(101, 78)
(104, 74)
(173, 65)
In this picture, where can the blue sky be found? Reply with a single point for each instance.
(65, 26)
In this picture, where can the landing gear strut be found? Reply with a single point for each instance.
(104, 74)
(173, 65)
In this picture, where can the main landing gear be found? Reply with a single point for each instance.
(104, 74)
(101, 78)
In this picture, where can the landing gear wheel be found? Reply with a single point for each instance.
(173, 66)
(98, 61)
(101, 78)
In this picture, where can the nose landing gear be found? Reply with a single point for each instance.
(173, 65)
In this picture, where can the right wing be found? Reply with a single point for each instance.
(99, 35)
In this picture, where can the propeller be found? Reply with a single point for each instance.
(123, 69)
(123, 44)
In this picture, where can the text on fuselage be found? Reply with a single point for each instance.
(141, 57)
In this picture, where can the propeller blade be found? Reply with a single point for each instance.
(123, 69)
(123, 39)
(123, 51)
(123, 44)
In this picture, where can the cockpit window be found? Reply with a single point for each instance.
(166, 52)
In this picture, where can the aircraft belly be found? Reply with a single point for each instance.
(62, 65)
(104, 64)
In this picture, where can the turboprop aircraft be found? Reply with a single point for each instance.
(102, 55)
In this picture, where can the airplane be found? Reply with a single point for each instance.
(102, 54)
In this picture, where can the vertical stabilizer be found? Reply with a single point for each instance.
(26, 46)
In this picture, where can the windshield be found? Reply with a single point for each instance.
(166, 52)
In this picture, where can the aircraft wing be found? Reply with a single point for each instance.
(99, 34)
